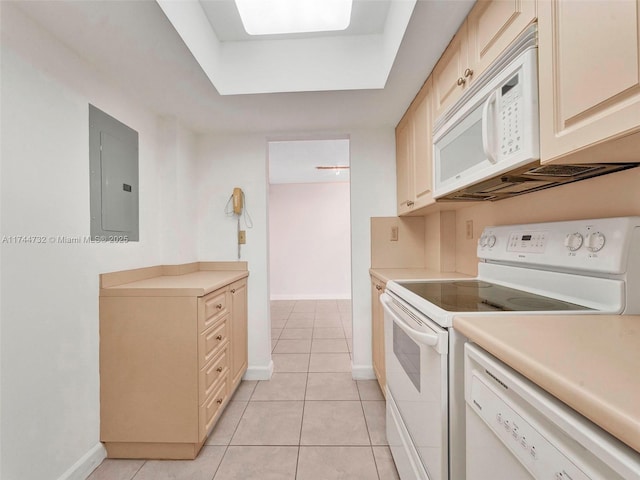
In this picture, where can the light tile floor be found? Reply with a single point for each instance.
(311, 421)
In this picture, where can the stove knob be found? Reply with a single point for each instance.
(491, 241)
(483, 241)
(573, 241)
(595, 241)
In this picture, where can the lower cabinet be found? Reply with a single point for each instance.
(238, 291)
(168, 366)
(377, 331)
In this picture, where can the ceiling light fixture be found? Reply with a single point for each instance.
(269, 17)
(335, 168)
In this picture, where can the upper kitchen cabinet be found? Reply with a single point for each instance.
(414, 153)
(492, 26)
(404, 164)
(452, 74)
(488, 30)
(589, 81)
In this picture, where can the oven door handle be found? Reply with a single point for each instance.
(429, 339)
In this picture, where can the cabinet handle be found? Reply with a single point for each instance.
(410, 203)
(468, 72)
(233, 290)
(219, 369)
(378, 287)
(219, 337)
(219, 401)
(219, 306)
(461, 81)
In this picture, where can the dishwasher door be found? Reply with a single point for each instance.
(517, 431)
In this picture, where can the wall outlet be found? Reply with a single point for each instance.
(242, 237)
(394, 233)
(469, 226)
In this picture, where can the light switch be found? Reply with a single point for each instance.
(394, 233)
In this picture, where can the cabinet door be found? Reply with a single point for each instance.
(377, 332)
(422, 123)
(404, 165)
(492, 26)
(449, 80)
(238, 292)
(589, 77)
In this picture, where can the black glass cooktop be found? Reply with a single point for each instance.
(479, 296)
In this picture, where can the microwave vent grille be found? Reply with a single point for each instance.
(564, 170)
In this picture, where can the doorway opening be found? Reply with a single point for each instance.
(310, 241)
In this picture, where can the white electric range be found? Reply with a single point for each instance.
(584, 266)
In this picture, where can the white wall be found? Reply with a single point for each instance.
(225, 162)
(49, 341)
(309, 241)
(49, 332)
(373, 194)
(241, 160)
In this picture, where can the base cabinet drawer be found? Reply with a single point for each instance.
(213, 372)
(211, 341)
(212, 408)
(213, 307)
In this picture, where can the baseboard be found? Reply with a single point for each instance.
(259, 372)
(362, 372)
(87, 464)
(332, 296)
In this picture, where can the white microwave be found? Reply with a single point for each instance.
(494, 127)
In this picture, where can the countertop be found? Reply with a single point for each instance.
(193, 284)
(589, 362)
(386, 274)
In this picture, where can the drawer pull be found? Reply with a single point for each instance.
(233, 290)
(219, 401)
(219, 306)
(219, 337)
(219, 369)
(461, 81)
(468, 72)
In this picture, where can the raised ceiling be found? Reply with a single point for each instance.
(358, 58)
(135, 48)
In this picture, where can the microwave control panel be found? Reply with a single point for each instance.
(511, 116)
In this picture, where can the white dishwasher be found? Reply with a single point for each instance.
(517, 431)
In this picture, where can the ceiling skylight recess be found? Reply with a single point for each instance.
(271, 17)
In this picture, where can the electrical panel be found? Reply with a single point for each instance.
(113, 156)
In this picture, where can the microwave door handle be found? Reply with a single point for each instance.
(485, 127)
(420, 337)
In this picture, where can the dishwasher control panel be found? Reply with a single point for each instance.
(514, 427)
(536, 453)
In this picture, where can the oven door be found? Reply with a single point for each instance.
(417, 382)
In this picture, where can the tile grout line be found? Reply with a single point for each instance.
(138, 470)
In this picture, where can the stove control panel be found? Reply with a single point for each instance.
(598, 245)
(532, 242)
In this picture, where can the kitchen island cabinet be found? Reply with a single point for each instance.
(589, 70)
(173, 348)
